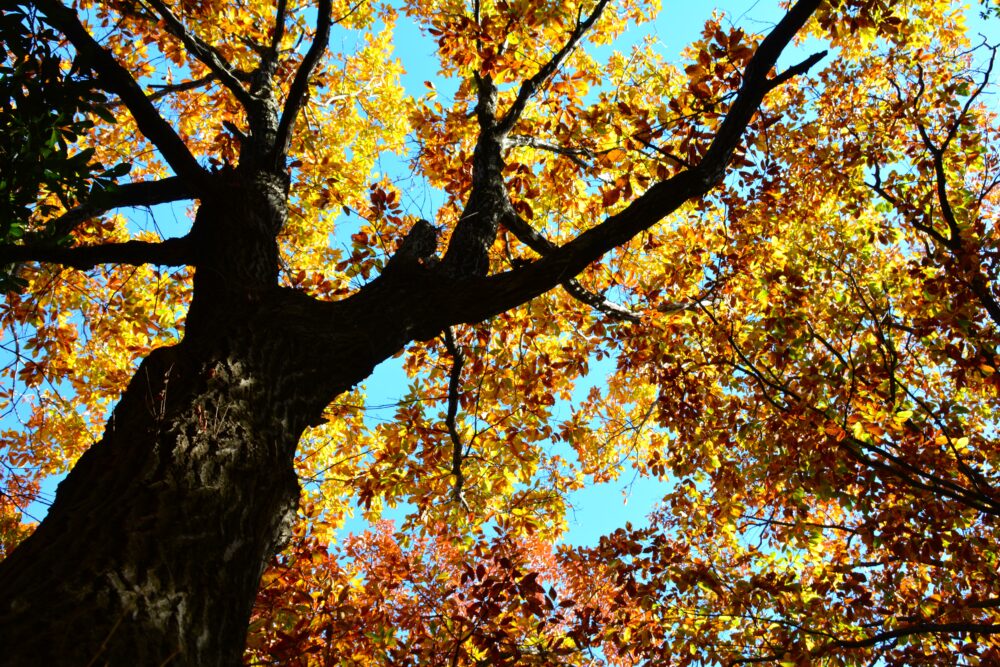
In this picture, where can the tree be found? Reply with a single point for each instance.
(794, 276)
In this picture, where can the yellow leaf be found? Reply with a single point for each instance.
(615, 155)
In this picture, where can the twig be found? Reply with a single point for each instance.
(457, 455)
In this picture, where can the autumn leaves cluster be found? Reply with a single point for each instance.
(811, 369)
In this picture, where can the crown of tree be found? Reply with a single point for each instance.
(780, 247)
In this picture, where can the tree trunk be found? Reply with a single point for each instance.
(153, 549)
(152, 552)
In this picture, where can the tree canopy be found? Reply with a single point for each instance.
(783, 246)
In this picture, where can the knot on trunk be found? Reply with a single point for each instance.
(418, 248)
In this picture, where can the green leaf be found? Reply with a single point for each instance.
(105, 114)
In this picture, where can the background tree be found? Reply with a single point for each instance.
(804, 350)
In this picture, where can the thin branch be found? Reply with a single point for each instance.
(116, 79)
(979, 482)
(707, 294)
(598, 302)
(941, 186)
(454, 380)
(674, 159)
(914, 476)
(990, 603)
(858, 449)
(279, 28)
(162, 90)
(954, 243)
(919, 629)
(477, 18)
(475, 233)
(171, 252)
(795, 70)
(531, 142)
(297, 92)
(204, 52)
(904, 208)
(977, 283)
(531, 86)
(527, 235)
(971, 99)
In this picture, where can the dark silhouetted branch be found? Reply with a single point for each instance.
(454, 380)
(495, 294)
(162, 90)
(531, 86)
(298, 91)
(918, 629)
(572, 153)
(116, 79)
(796, 70)
(527, 235)
(418, 247)
(142, 193)
(755, 86)
(171, 252)
(279, 28)
(204, 52)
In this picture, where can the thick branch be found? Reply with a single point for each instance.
(475, 233)
(142, 193)
(297, 92)
(171, 252)
(418, 247)
(502, 292)
(530, 87)
(116, 79)
(756, 85)
(204, 52)
(527, 235)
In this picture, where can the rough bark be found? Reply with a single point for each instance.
(153, 549)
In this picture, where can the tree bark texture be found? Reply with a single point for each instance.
(153, 549)
(157, 538)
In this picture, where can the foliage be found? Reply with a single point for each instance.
(807, 357)
(44, 110)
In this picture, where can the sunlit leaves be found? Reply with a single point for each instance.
(812, 374)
